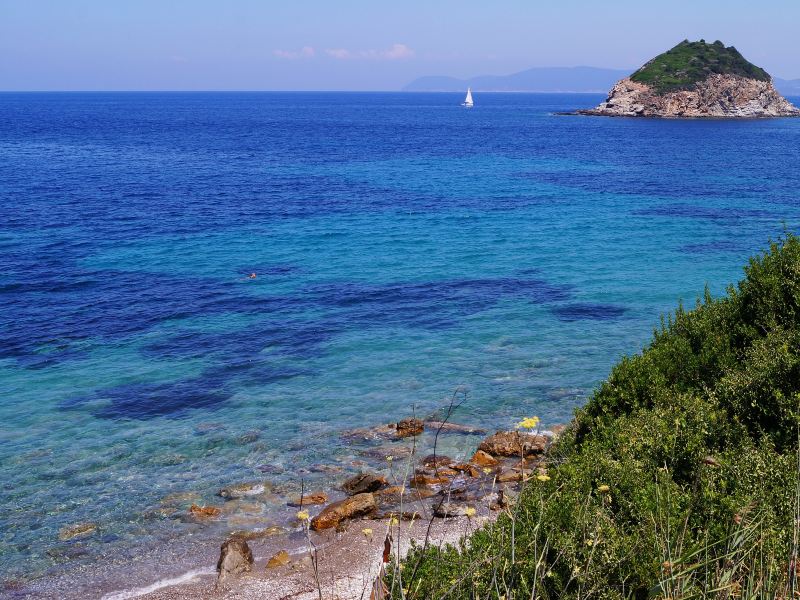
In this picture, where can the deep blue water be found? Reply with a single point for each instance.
(404, 248)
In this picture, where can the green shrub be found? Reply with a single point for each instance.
(691, 62)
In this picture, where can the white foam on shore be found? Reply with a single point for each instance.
(161, 583)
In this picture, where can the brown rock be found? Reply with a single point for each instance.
(235, 558)
(483, 459)
(279, 559)
(409, 427)
(310, 499)
(395, 490)
(513, 443)
(421, 492)
(204, 511)
(349, 508)
(435, 460)
(422, 479)
(500, 501)
(467, 469)
(364, 483)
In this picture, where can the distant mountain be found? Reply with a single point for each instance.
(550, 79)
(787, 87)
(547, 79)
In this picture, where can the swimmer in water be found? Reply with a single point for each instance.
(252, 276)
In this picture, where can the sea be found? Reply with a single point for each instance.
(204, 289)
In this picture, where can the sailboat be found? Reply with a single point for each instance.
(468, 100)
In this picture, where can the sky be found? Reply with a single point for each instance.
(360, 44)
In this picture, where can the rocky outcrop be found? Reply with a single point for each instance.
(513, 443)
(717, 96)
(349, 508)
(235, 558)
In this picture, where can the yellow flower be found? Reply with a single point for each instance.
(543, 477)
(390, 458)
(367, 532)
(487, 470)
(603, 489)
(590, 542)
(393, 521)
(469, 511)
(529, 423)
(303, 515)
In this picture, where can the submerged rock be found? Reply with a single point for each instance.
(367, 434)
(448, 427)
(467, 469)
(309, 499)
(349, 508)
(204, 512)
(256, 534)
(410, 427)
(78, 530)
(235, 558)
(437, 460)
(240, 490)
(364, 482)
(513, 443)
(425, 479)
(279, 559)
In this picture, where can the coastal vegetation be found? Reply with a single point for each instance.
(688, 63)
(678, 479)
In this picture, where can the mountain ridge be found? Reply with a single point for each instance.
(581, 79)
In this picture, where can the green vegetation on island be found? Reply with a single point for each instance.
(678, 479)
(690, 62)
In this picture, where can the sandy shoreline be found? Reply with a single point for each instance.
(349, 563)
(442, 498)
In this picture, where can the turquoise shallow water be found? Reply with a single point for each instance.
(405, 248)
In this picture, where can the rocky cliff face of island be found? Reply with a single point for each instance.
(695, 80)
(718, 96)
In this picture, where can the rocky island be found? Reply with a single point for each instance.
(696, 80)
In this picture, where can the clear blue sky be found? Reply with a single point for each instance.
(361, 44)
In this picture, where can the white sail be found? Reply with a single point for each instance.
(468, 99)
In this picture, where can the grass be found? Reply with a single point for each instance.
(691, 62)
(678, 479)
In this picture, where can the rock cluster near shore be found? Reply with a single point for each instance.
(437, 486)
(719, 96)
